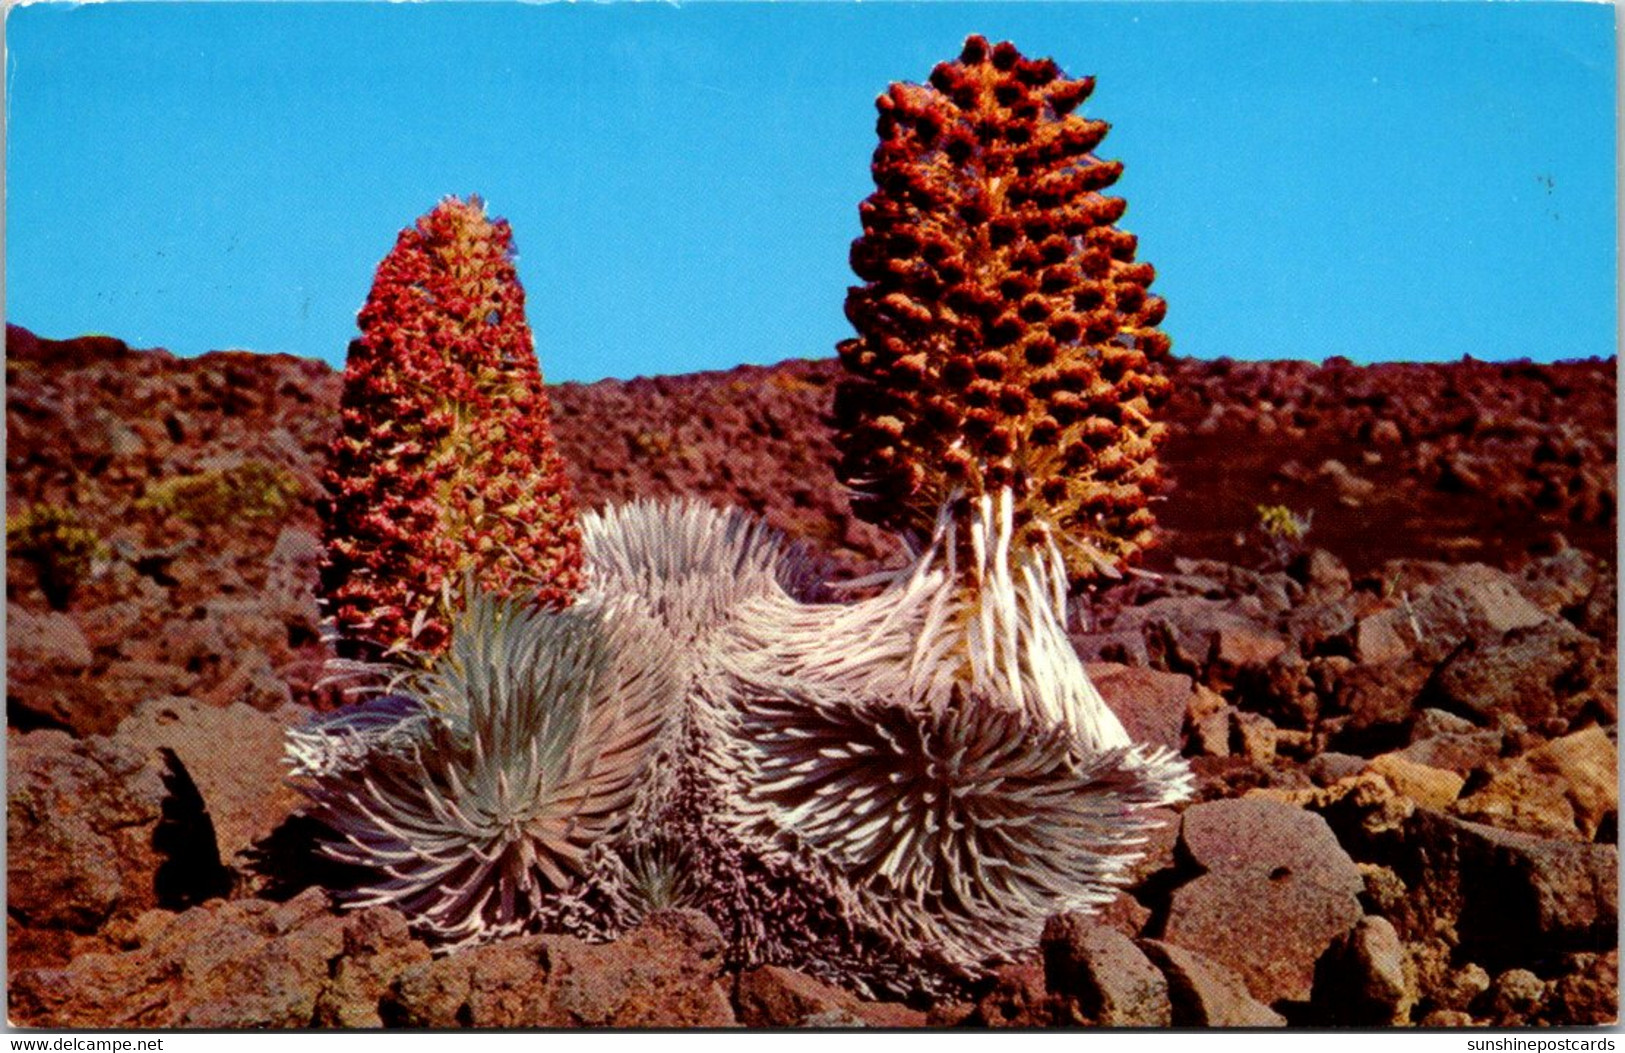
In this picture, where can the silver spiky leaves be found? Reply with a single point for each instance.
(962, 829)
(973, 614)
(920, 776)
(526, 747)
(940, 747)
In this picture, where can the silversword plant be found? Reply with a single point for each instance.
(892, 792)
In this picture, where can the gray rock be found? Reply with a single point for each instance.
(290, 579)
(1207, 639)
(1328, 767)
(1431, 722)
(1471, 602)
(1124, 648)
(1466, 602)
(1558, 582)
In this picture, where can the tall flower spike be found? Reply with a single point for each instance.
(532, 738)
(445, 465)
(1006, 338)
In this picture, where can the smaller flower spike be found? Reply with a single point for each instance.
(445, 466)
(1006, 338)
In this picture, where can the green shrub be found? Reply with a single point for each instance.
(1284, 531)
(250, 491)
(61, 550)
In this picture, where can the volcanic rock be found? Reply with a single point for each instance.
(1100, 975)
(1363, 979)
(1209, 640)
(1332, 767)
(1435, 788)
(43, 641)
(1460, 988)
(1515, 996)
(244, 786)
(1443, 740)
(1275, 890)
(1559, 582)
(665, 973)
(773, 996)
(1018, 997)
(1379, 699)
(80, 816)
(1511, 897)
(1325, 576)
(377, 949)
(227, 964)
(1151, 704)
(1531, 673)
(1472, 602)
(1204, 993)
(1567, 788)
(1587, 993)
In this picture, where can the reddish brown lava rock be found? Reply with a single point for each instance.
(1101, 977)
(1275, 890)
(1151, 704)
(80, 817)
(773, 996)
(1204, 993)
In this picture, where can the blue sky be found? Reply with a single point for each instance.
(1384, 181)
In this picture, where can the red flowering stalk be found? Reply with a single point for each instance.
(445, 466)
(1006, 338)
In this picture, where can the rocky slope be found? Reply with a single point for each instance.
(1403, 725)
